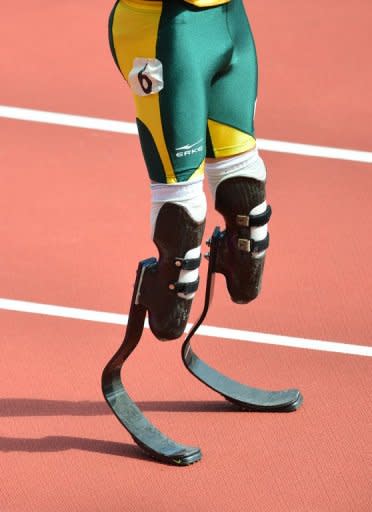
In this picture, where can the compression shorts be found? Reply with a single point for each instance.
(193, 74)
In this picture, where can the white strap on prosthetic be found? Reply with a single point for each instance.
(190, 195)
(249, 165)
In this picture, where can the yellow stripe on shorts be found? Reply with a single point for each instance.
(206, 3)
(135, 32)
(229, 141)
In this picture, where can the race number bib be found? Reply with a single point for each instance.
(146, 76)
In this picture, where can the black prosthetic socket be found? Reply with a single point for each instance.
(235, 198)
(175, 234)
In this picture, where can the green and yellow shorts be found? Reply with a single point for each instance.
(193, 73)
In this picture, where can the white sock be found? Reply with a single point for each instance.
(189, 194)
(249, 165)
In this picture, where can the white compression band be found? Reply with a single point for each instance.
(249, 165)
(190, 195)
(260, 232)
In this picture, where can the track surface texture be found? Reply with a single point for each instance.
(74, 205)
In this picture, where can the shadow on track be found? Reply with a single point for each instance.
(21, 407)
(64, 443)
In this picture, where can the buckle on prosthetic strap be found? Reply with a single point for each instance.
(187, 264)
(249, 245)
(257, 220)
(185, 288)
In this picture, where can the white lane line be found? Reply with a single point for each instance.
(95, 123)
(91, 123)
(294, 148)
(204, 330)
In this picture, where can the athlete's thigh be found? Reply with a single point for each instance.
(159, 47)
(233, 93)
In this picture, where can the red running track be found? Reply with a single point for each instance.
(71, 235)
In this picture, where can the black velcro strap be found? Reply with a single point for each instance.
(187, 264)
(185, 288)
(260, 245)
(261, 218)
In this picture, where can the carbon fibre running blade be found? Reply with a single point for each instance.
(245, 397)
(144, 433)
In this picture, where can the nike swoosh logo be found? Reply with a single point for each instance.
(189, 146)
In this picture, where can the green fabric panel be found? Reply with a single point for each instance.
(193, 44)
(210, 71)
(151, 154)
(233, 93)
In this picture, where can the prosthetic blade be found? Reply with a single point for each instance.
(244, 396)
(144, 433)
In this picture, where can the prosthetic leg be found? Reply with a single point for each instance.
(151, 274)
(246, 397)
(164, 289)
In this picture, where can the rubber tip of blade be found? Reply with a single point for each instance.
(187, 458)
(287, 405)
(184, 456)
(295, 405)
